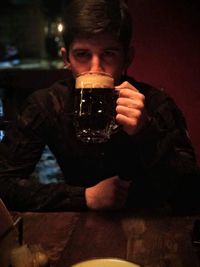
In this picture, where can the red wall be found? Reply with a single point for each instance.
(167, 53)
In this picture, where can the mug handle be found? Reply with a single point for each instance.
(116, 127)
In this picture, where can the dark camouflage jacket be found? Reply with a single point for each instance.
(160, 159)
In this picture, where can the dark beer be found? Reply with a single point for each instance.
(94, 113)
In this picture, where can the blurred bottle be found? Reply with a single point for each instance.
(1, 113)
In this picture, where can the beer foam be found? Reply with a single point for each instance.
(94, 80)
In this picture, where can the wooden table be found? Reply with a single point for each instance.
(148, 240)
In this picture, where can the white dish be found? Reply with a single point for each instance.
(105, 262)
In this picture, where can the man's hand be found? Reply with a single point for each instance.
(130, 108)
(109, 194)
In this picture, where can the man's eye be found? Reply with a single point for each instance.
(82, 55)
(109, 54)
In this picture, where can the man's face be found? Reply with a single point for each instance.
(100, 53)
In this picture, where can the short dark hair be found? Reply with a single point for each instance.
(90, 17)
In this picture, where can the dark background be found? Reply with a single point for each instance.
(167, 53)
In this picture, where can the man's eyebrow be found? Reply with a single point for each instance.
(114, 48)
(79, 49)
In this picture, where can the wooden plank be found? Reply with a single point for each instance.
(96, 235)
(162, 242)
(149, 241)
(51, 231)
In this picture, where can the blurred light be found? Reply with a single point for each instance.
(57, 39)
(60, 27)
(46, 29)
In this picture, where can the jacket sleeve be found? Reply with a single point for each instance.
(20, 150)
(167, 156)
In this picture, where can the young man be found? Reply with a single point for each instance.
(149, 162)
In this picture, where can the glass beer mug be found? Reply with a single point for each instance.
(94, 107)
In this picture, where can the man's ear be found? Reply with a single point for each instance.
(130, 56)
(64, 55)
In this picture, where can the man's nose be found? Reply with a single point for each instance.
(96, 64)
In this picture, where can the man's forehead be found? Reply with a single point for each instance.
(103, 41)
